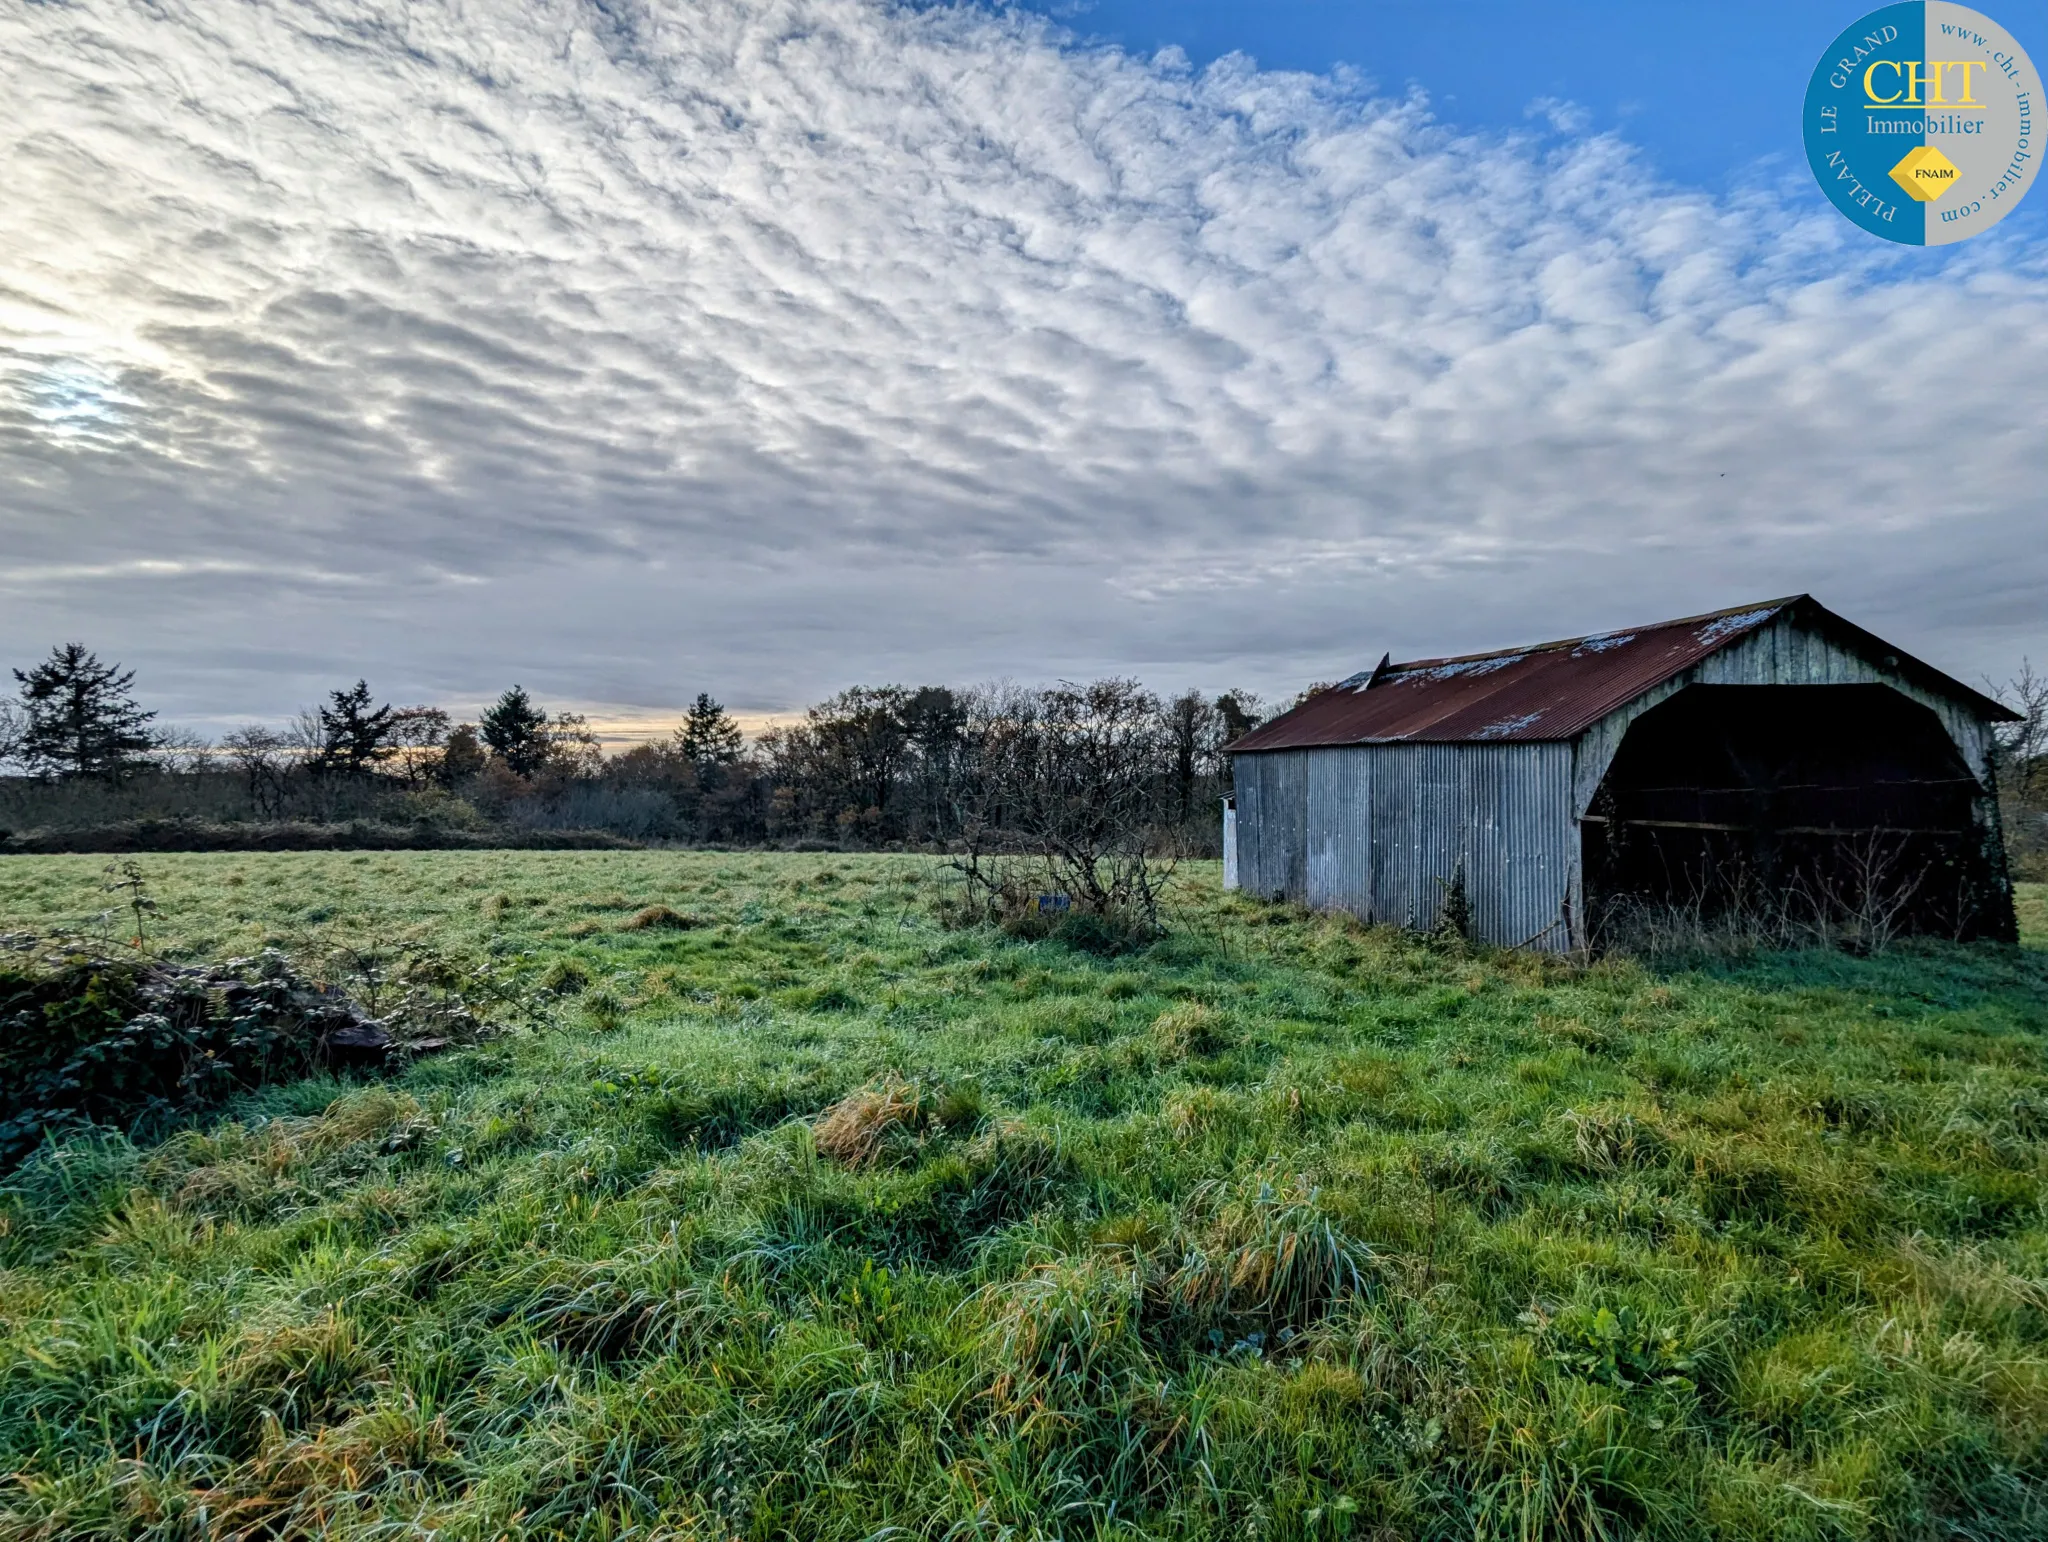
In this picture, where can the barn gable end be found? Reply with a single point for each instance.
(1798, 647)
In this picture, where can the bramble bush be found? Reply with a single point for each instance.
(138, 1044)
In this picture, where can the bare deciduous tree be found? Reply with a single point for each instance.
(574, 750)
(265, 757)
(181, 752)
(1065, 803)
(2023, 771)
(418, 737)
(12, 725)
(2023, 746)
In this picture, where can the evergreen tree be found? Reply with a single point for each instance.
(709, 738)
(462, 757)
(1239, 712)
(517, 731)
(81, 719)
(354, 735)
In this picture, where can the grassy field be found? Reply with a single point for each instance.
(794, 1214)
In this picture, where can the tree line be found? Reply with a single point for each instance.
(875, 766)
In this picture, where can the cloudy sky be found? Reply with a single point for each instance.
(766, 346)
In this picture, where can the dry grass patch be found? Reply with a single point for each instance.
(238, 1165)
(1192, 1028)
(859, 1127)
(660, 917)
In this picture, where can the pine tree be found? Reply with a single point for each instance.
(81, 717)
(517, 731)
(709, 736)
(354, 735)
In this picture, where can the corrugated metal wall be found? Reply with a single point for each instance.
(1272, 822)
(1380, 829)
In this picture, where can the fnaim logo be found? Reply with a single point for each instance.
(1921, 122)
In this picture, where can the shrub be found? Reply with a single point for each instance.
(1101, 903)
(136, 1044)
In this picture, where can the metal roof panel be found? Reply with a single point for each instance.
(1553, 690)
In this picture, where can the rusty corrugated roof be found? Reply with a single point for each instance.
(1553, 690)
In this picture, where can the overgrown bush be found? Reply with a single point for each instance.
(137, 1044)
(1107, 906)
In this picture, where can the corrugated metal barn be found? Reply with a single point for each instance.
(1772, 748)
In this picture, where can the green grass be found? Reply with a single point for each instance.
(1281, 1228)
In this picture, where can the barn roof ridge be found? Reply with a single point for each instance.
(1557, 690)
(1772, 606)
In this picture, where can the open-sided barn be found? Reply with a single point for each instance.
(1771, 757)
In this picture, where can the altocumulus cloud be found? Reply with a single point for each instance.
(634, 348)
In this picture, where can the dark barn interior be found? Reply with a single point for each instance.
(1795, 810)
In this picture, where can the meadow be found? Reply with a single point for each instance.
(782, 1210)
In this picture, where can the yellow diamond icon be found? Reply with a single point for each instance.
(1925, 173)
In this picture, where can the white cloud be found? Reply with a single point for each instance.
(1561, 113)
(631, 349)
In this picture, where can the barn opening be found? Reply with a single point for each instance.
(1835, 811)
